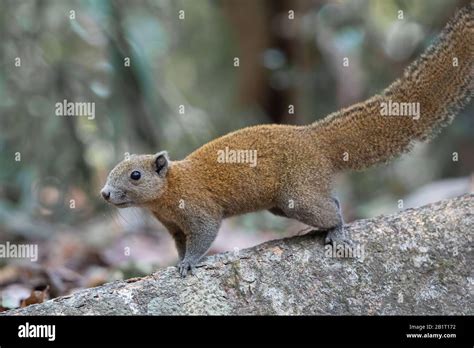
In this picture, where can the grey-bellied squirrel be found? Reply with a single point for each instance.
(296, 165)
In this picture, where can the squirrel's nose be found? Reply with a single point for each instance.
(105, 194)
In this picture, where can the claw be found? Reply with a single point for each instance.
(338, 236)
(182, 272)
(184, 267)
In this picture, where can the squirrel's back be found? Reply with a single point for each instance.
(245, 170)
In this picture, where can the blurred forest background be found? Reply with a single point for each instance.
(181, 89)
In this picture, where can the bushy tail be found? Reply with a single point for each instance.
(439, 83)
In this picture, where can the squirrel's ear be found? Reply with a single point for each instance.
(161, 163)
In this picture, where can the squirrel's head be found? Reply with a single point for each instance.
(137, 180)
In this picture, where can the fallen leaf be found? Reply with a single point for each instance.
(36, 296)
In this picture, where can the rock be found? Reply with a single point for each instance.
(416, 262)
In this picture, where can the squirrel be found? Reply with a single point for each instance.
(297, 164)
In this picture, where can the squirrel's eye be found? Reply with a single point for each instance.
(135, 175)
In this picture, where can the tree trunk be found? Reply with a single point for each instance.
(258, 27)
(416, 262)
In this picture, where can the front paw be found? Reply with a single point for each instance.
(184, 266)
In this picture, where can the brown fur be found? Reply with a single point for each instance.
(296, 164)
(441, 89)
